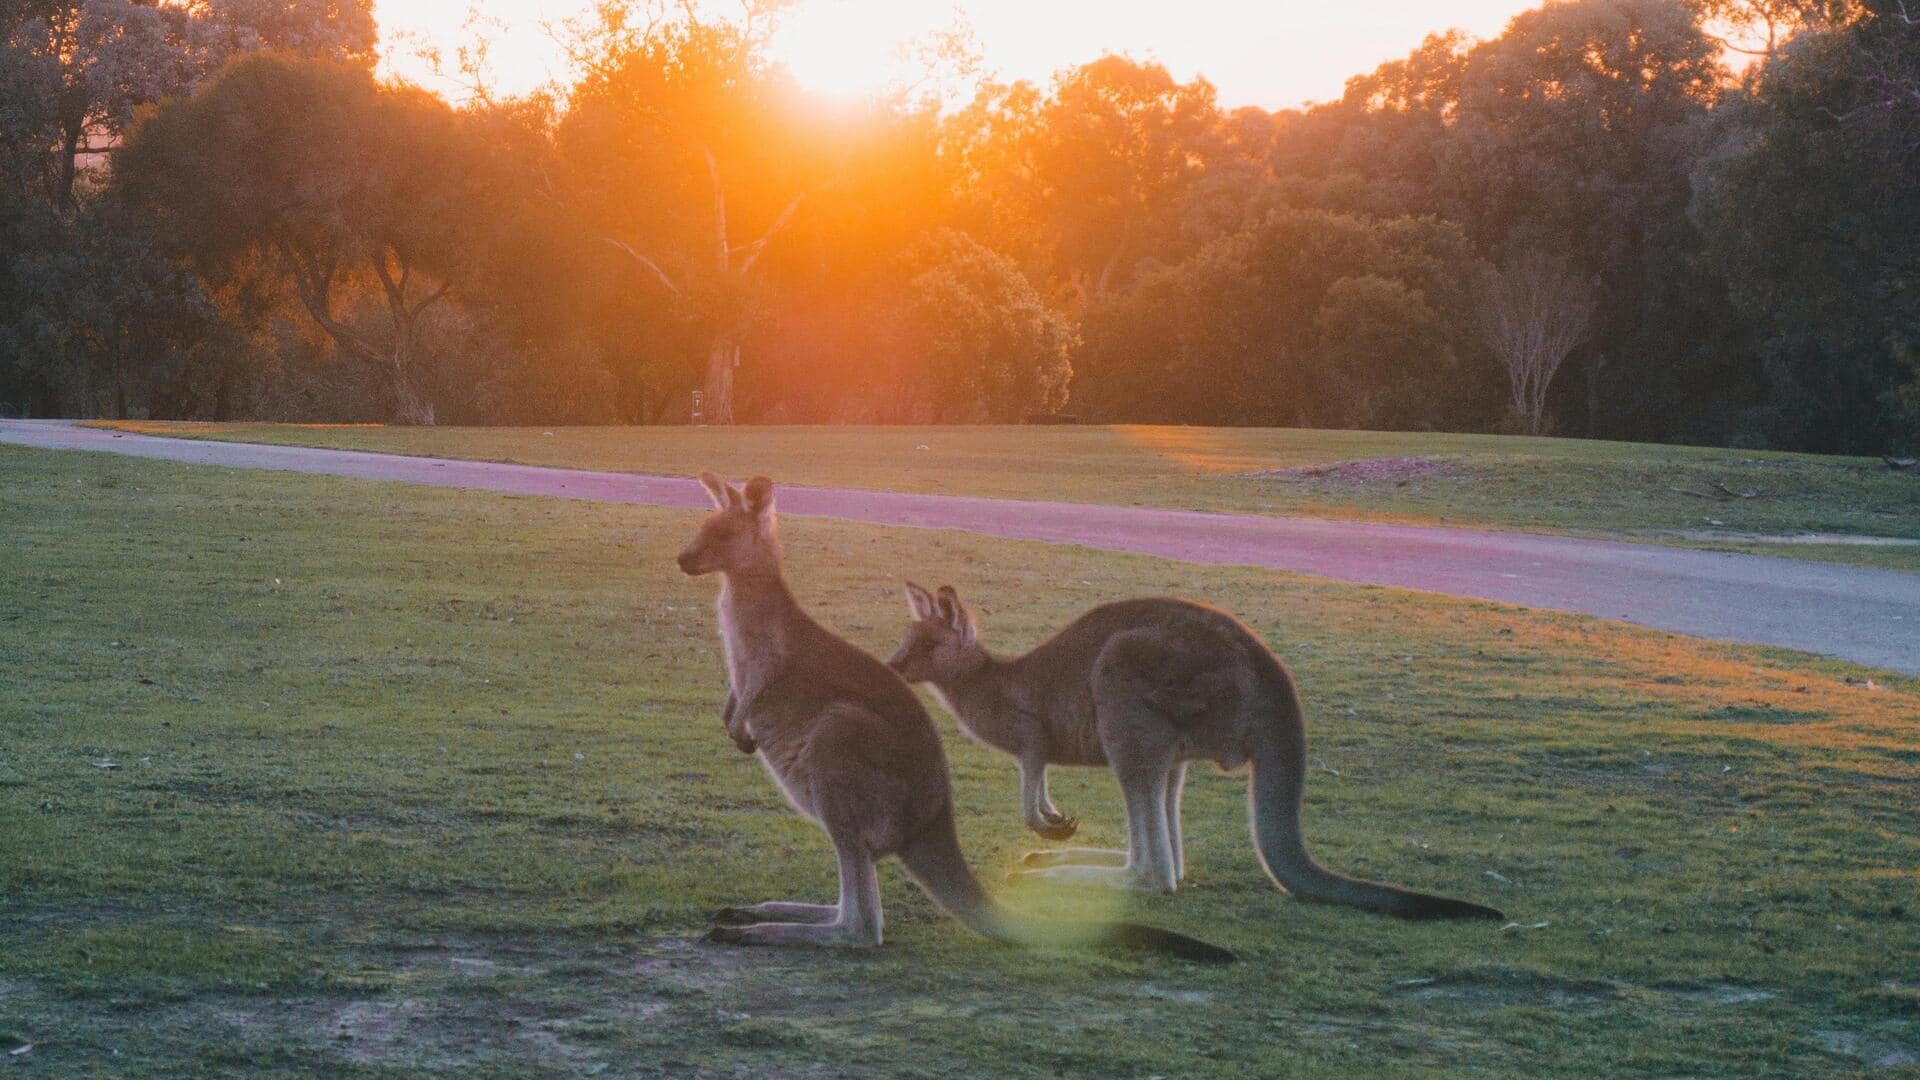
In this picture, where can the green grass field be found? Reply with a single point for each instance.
(1665, 494)
(304, 775)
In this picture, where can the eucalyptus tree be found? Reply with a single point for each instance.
(93, 319)
(1533, 312)
(1308, 318)
(1084, 180)
(690, 153)
(76, 71)
(311, 176)
(984, 345)
(1816, 226)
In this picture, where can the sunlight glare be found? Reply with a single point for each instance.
(848, 48)
(1274, 54)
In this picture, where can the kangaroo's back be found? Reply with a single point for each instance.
(1193, 666)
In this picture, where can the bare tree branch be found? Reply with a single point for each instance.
(314, 284)
(649, 265)
(431, 298)
(754, 249)
(396, 290)
(1532, 314)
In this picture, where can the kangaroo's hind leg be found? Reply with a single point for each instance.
(1148, 864)
(1176, 783)
(855, 919)
(1045, 819)
(1145, 770)
(1150, 858)
(1113, 857)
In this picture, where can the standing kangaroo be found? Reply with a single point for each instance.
(852, 749)
(1144, 686)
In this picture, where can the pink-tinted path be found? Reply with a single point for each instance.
(1865, 615)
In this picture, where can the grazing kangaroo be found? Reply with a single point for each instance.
(1143, 686)
(852, 748)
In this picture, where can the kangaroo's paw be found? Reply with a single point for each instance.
(1076, 856)
(1055, 825)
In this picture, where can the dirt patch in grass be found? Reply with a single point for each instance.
(1506, 988)
(1872, 1051)
(451, 1008)
(1721, 994)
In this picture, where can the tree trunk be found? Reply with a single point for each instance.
(408, 406)
(1594, 390)
(722, 358)
(69, 167)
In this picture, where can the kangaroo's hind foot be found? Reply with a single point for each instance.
(1113, 877)
(854, 921)
(840, 933)
(775, 911)
(1074, 856)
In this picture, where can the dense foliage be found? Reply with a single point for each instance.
(1590, 224)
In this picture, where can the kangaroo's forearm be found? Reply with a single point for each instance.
(1033, 788)
(736, 724)
(1042, 816)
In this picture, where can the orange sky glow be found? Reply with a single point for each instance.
(1273, 54)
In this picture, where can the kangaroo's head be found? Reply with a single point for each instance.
(943, 643)
(740, 536)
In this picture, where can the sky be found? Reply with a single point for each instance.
(1273, 54)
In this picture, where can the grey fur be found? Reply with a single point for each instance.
(1143, 686)
(849, 745)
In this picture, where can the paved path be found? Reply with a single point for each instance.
(1866, 615)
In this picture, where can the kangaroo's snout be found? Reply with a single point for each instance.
(689, 561)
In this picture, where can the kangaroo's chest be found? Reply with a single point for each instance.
(753, 654)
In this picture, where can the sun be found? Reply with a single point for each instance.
(848, 48)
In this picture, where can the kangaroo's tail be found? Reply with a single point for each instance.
(1279, 775)
(936, 862)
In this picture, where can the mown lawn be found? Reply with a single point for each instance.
(318, 776)
(1690, 496)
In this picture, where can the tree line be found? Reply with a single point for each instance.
(1591, 224)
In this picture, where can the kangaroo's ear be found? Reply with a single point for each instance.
(717, 490)
(955, 612)
(760, 496)
(919, 602)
